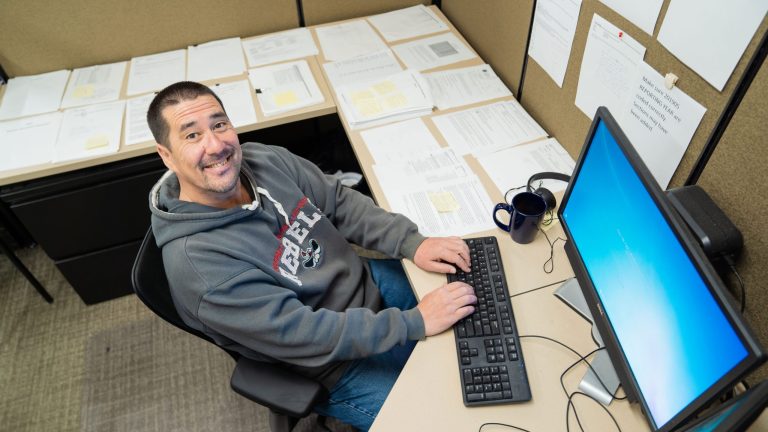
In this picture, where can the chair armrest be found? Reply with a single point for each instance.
(276, 387)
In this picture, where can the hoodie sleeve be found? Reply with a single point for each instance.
(355, 215)
(253, 311)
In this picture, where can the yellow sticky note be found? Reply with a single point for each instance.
(83, 91)
(362, 95)
(285, 98)
(384, 87)
(394, 102)
(444, 202)
(368, 107)
(96, 141)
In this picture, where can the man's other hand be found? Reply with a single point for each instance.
(442, 307)
(441, 254)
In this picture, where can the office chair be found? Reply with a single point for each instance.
(288, 396)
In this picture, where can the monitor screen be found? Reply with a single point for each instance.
(676, 340)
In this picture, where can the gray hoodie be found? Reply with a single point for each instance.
(277, 280)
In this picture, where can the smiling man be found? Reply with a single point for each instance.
(256, 245)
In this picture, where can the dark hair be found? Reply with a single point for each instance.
(174, 94)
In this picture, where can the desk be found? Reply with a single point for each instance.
(428, 397)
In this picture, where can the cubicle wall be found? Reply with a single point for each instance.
(45, 35)
(497, 30)
(323, 11)
(734, 176)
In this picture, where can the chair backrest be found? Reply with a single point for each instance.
(151, 286)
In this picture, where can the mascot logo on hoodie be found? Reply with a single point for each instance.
(312, 254)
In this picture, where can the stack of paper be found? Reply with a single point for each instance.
(398, 142)
(88, 131)
(284, 87)
(272, 48)
(348, 39)
(363, 68)
(217, 59)
(94, 84)
(28, 141)
(136, 126)
(407, 23)
(438, 191)
(34, 94)
(156, 71)
(465, 86)
(400, 96)
(512, 167)
(488, 128)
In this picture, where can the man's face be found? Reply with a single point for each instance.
(204, 151)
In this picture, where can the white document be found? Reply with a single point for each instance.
(643, 14)
(94, 84)
(610, 62)
(349, 39)
(488, 128)
(88, 131)
(398, 142)
(277, 47)
(367, 67)
(33, 94)
(554, 25)
(285, 87)
(512, 167)
(457, 87)
(441, 165)
(433, 52)
(659, 123)
(28, 141)
(396, 97)
(157, 71)
(136, 126)
(237, 101)
(457, 207)
(407, 23)
(712, 40)
(217, 59)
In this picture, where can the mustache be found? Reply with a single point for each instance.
(211, 161)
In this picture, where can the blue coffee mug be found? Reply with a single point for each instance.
(526, 212)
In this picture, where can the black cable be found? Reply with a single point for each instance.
(551, 259)
(537, 288)
(581, 359)
(570, 403)
(743, 299)
(508, 201)
(501, 424)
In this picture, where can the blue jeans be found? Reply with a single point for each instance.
(359, 394)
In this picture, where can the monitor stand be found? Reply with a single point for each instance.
(570, 293)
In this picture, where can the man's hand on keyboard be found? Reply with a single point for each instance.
(442, 307)
(442, 255)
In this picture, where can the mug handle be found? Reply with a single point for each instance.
(501, 206)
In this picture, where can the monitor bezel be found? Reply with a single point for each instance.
(751, 405)
(755, 355)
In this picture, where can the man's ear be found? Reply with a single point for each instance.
(165, 155)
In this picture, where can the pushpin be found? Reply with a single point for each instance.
(670, 80)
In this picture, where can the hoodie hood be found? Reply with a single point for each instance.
(173, 218)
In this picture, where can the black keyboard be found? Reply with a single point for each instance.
(490, 359)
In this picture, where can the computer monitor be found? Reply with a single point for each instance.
(736, 415)
(671, 331)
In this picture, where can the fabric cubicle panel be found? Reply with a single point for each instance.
(45, 35)
(733, 177)
(323, 11)
(736, 179)
(497, 30)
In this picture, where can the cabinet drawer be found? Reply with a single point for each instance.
(89, 218)
(102, 275)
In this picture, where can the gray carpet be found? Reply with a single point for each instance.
(113, 366)
(148, 375)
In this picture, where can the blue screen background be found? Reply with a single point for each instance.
(676, 339)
